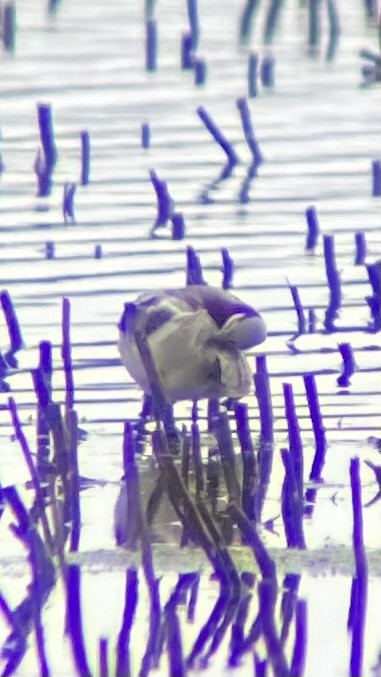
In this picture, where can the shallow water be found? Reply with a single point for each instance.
(318, 132)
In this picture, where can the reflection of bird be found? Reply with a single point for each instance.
(196, 336)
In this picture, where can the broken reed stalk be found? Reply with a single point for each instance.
(66, 356)
(39, 496)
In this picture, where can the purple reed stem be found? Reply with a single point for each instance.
(237, 630)
(334, 283)
(74, 618)
(213, 473)
(248, 131)
(333, 29)
(98, 252)
(374, 277)
(369, 55)
(145, 135)
(227, 455)
(28, 613)
(268, 72)
(313, 229)
(292, 504)
(74, 480)
(85, 158)
(200, 72)
(294, 437)
(265, 562)
(357, 538)
(299, 310)
(227, 269)
(317, 427)
(103, 657)
(360, 248)
(45, 125)
(127, 510)
(246, 21)
(178, 226)
(151, 45)
(197, 461)
(186, 51)
(123, 643)
(66, 355)
(260, 666)
(263, 395)
(151, 652)
(361, 587)
(349, 365)
(68, 202)
(272, 19)
(312, 319)
(174, 642)
(300, 646)
(191, 610)
(39, 496)
(370, 8)
(314, 24)
(44, 174)
(218, 136)
(212, 413)
(376, 178)
(193, 21)
(267, 598)
(250, 463)
(252, 75)
(50, 250)
(9, 26)
(210, 629)
(290, 587)
(193, 269)
(42, 380)
(13, 327)
(164, 200)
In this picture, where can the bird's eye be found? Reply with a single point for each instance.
(214, 373)
(156, 319)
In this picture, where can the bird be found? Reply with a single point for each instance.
(196, 336)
